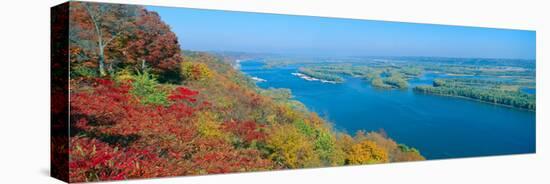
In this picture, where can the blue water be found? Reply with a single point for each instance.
(440, 127)
(529, 90)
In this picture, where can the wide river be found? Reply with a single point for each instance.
(440, 127)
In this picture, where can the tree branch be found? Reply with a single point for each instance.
(94, 21)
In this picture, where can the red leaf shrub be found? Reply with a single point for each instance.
(218, 156)
(182, 93)
(247, 130)
(105, 105)
(107, 112)
(93, 160)
(111, 104)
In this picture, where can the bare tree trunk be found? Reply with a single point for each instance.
(110, 68)
(101, 65)
(101, 46)
(143, 65)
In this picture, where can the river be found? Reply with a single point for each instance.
(440, 127)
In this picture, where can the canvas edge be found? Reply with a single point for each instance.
(59, 94)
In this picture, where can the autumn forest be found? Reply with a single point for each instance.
(142, 106)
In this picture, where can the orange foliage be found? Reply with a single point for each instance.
(367, 152)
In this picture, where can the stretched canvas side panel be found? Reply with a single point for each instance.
(59, 92)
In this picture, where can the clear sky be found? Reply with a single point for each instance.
(211, 30)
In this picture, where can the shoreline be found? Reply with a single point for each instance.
(477, 100)
(257, 79)
(309, 78)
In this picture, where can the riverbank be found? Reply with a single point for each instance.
(309, 78)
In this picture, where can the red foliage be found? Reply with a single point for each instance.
(94, 160)
(248, 130)
(102, 25)
(122, 35)
(107, 104)
(110, 104)
(217, 156)
(152, 42)
(166, 137)
(110, 110)
(114, 136)
(182, 93)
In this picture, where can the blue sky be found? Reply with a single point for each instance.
(211, 30)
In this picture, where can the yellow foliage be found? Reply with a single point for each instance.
(271, 119)
(345, 141)
(367, 152)
(343, 144)
(124, 75)
(195, 71)
(396, 152)
(287, 114)
(208, 126)
(382, 141)
(338, 157)
(291, 147)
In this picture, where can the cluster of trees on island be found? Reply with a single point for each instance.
(319, 74)
(379, 77)
(488, 91)
(392, 79)
(141, 107)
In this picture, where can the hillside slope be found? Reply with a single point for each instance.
(191, 114)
